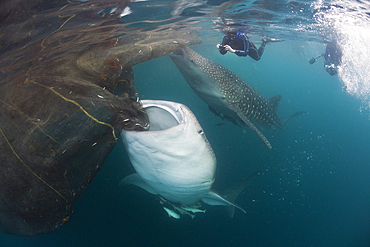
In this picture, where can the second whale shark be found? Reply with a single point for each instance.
(227, 93)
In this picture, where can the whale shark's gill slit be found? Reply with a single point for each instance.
(254, 128)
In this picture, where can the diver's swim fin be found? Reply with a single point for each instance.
(266, 40)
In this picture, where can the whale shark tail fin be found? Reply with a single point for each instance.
(295, 115)
(233, 192)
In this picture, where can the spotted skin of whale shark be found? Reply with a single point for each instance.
(226, 92)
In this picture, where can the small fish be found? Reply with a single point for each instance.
(178, 209)
(172, 213)
(193, 210)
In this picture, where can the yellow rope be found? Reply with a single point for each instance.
(50, 136)
(42, 43)
(19, 158)
(79, 106)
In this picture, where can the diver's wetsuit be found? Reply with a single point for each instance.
(243, 46)
(332, 57)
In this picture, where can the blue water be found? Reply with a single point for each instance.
(314, 189)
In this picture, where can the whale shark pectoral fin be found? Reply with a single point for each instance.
(212, 198)
(254, 128)
(233, 192)
(135, 179)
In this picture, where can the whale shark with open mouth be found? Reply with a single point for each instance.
(174, 159)
(226, 93)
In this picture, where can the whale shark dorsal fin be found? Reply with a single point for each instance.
(212, 198)
(135, 179)
(275, 102)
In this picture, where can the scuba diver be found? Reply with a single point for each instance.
(238, 43)
(332, 57)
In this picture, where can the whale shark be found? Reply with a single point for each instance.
(173, 159)
(227, 93)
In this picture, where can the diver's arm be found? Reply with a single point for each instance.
(237, 52)
(229, 48)
(241, 53)
(313, 60)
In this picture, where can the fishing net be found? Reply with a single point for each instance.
(66, 92)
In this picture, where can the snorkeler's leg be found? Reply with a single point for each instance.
(257, 54)
(254, 53)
